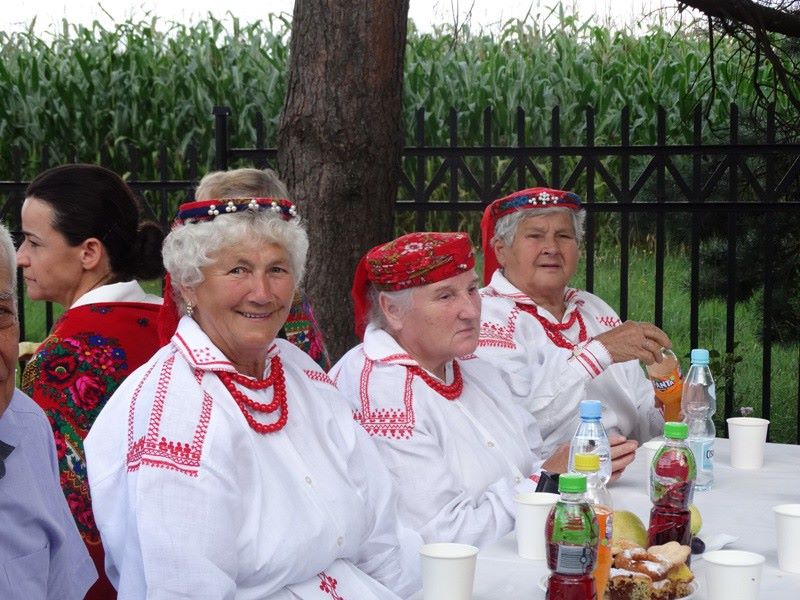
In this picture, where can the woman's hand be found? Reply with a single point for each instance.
(635, 341)
(623, 451)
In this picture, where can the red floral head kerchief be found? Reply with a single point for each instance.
(409, 261)
(531, 198)
(203, 211)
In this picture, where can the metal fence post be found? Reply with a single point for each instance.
(221, 114)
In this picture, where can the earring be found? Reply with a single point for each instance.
(189, 309)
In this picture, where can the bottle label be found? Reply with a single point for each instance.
(703, 451)
(665, 385)
(574, 560)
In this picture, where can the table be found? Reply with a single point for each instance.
(740, 504)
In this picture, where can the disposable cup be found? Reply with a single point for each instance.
(532, 511)
(650, 449)
(787, 525)
(732, 574)
(448, 571)
(748, 436)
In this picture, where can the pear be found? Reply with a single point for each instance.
(628, 526)
(695, 520)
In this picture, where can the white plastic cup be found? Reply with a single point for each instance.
(787, 525)
(733, 574)
(748, 435)
(651, 448)
(448, 571)
(532, 511)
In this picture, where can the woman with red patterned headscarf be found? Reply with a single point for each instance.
(457, 448)
(557, 345)
(84, 247)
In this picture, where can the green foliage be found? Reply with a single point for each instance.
(142, 84)
(147, 83)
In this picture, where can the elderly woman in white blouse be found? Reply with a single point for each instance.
(457, 448)
(228, 465)
(558, 345)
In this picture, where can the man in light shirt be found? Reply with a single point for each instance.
(41, 553)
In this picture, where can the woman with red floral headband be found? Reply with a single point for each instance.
(459, 450)
(83, 247)
(557, 345)
(228, 466)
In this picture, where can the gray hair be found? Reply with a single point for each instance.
(241, 183)
(8, 256)
(189, 248)
(401, 298)
(506, 227)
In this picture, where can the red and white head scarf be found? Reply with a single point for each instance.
(409, 261)
(531, 198)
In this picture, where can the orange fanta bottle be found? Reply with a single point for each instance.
(668, 384)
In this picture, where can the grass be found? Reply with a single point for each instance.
(747, 380)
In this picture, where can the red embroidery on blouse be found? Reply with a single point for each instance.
(609, 321)
(394, 357)
(328, 585)
(495, 335)
(154, 449)
(554, 330)
(319, 376)
(386, 422)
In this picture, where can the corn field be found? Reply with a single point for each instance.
(146, 84)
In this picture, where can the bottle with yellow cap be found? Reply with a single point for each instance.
(598, 495)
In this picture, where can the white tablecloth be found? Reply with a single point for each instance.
(740, 504)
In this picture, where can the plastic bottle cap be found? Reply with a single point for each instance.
(699, 356)
(591, 409)
(572, 483)
(676, 431)
(587, 462)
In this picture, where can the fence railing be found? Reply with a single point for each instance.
(669, 198)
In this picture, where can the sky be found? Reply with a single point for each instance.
(15, 15)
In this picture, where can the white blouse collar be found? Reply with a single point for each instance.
(201, 353)
(125, 291)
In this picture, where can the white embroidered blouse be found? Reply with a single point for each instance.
(457, 463)
(193, 503)
(552, 380)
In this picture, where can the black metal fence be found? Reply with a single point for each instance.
(668, 198)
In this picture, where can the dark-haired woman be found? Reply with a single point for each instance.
(84, 247)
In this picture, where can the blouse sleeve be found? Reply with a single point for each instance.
(437, 505)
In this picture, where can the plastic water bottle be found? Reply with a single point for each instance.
(598, 496)
(672, 477)
(699, 403)
(571, 540)
(591, 438)
(667, 384)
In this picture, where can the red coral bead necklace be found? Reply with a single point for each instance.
(248, 405)
(452, 391)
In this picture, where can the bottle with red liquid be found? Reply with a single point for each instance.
(672, 476)
(571, 535)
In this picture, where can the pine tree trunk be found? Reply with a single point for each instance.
(340, 140)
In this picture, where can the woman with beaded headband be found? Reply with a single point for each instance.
(228, 465)
(557, 345)
(301, 326)
(457, 450)
(84, 246)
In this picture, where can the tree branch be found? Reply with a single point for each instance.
(749, 13)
